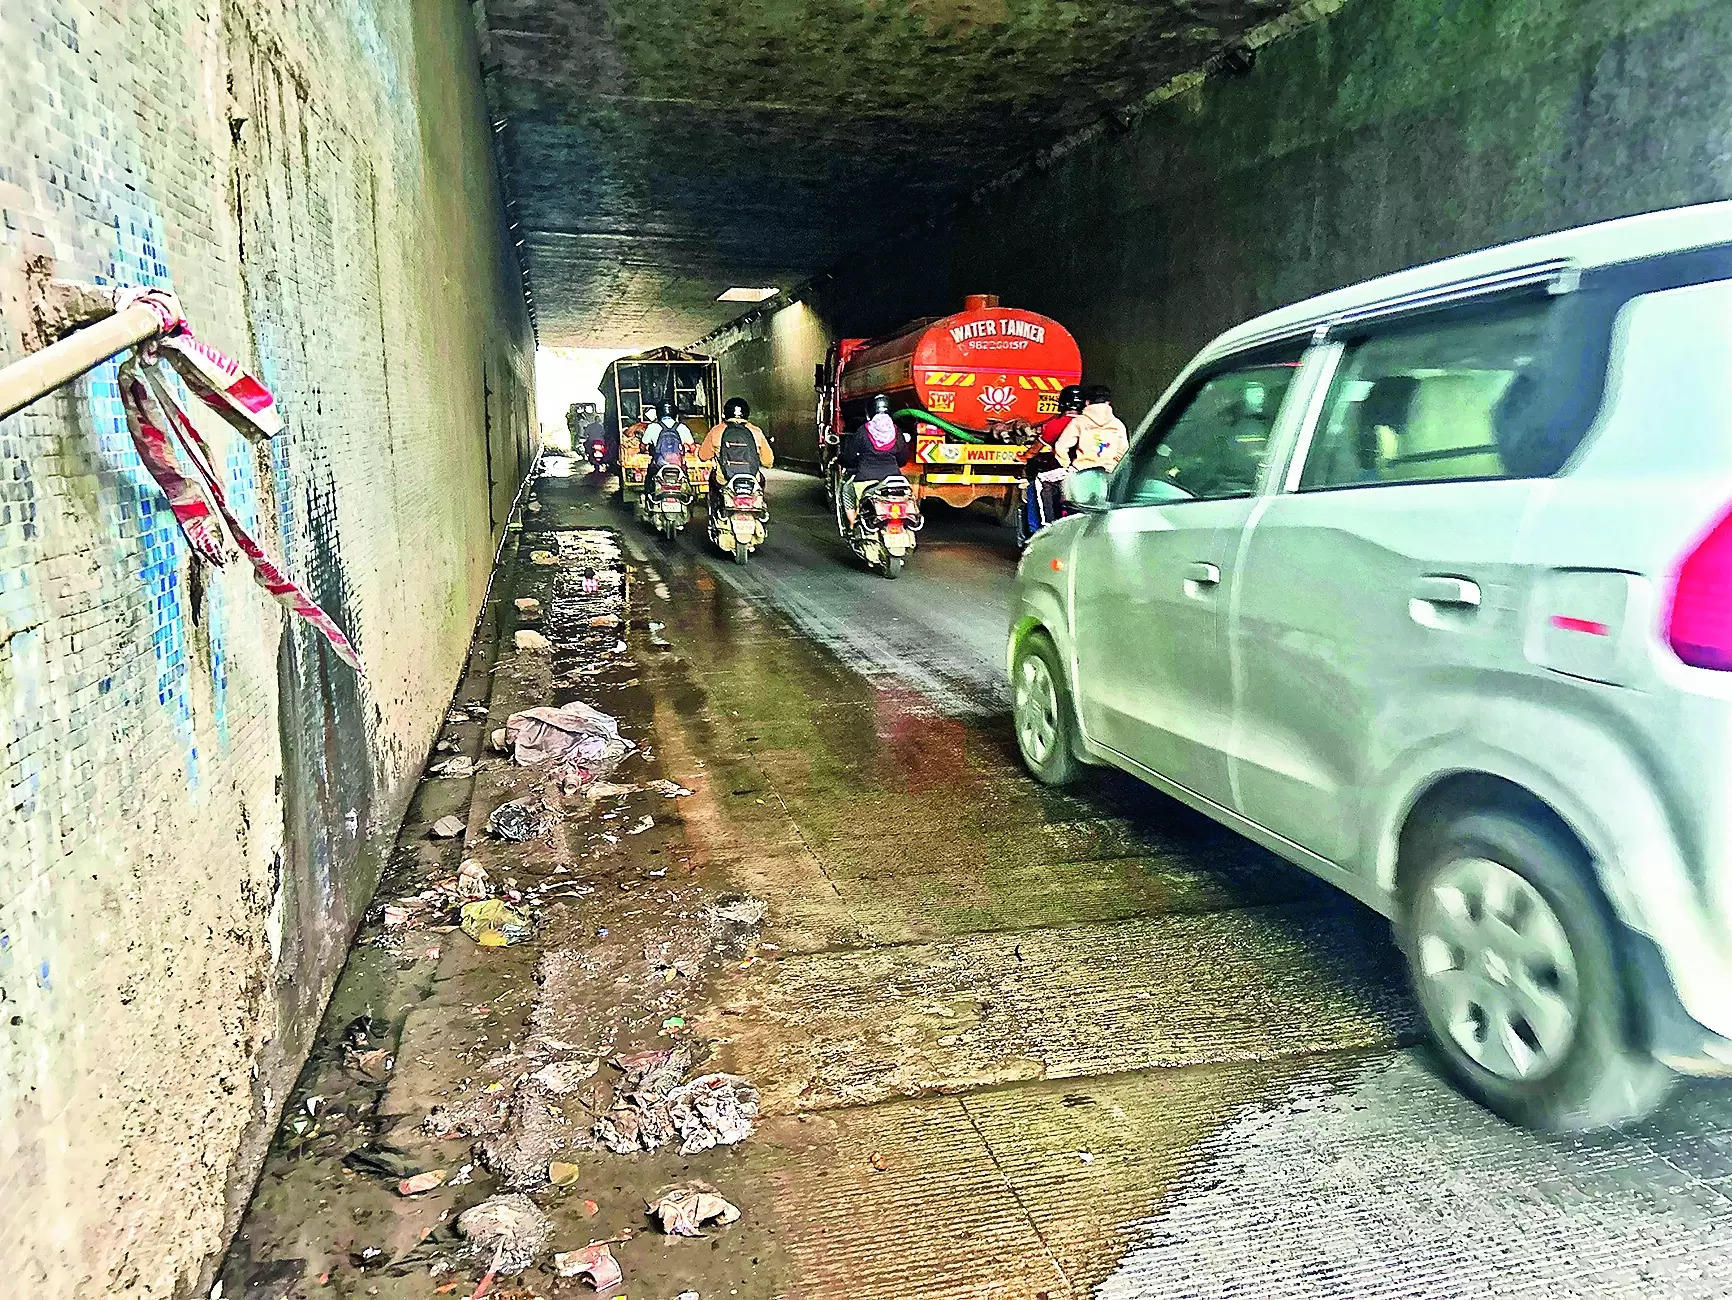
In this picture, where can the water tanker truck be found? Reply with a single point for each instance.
(972, 385)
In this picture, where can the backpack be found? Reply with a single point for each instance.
(669, 445)
(738, 452)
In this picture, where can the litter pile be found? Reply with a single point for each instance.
(583, 741)
(654, 1104)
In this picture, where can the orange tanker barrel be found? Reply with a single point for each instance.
(985, 364)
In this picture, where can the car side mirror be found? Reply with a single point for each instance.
(1086, 490)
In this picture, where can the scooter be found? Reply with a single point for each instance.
(889, 518)
(598, 454)
(666, 504)
(739, 517)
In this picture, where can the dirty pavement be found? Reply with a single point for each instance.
(726, 951)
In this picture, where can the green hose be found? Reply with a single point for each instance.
(920, 414)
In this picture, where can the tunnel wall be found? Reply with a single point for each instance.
(1384, 135)
(198, 795)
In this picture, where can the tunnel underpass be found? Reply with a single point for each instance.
(317, 980)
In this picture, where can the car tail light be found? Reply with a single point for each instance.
(1699, 622)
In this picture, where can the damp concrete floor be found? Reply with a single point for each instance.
(1009, 1043)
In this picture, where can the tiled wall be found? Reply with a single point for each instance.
(195, 794)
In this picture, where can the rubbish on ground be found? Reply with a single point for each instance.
(605, 620)
(421, 1183)
(395, 916)
(447, 828)
(520, 819)
(668, 789)
(494, 923)
(594, 1262)
(737, 909)
(674, 1022)
(543, 557)
(877, 1161)
(457, 715)
(591, 1209)
(684, 1210)
(562, 1173)
(509, 1229)
(566, 733)
(534, 507)
(460, 765)
(1087, 1157)
(688, 1295)
(713, 1110)
(530, 1133)
(496, 740)
(653, 1107)
(562, 1077)
(607, 790)
(444, 746)
(641, 826)
(374, 1066)
(472, 879)
(462, 1176)
(527, 605)
(381, 1162)
(527, 638)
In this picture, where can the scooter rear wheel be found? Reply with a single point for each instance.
(892, 566)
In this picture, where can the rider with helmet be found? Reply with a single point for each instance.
(873, 452)
(1041, 502)
(665, 436)
(735, 446)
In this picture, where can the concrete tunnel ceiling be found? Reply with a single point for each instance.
(658, 152)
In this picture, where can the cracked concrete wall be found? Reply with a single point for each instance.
(197, 794)
(1385, 135)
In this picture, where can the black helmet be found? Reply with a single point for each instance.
(1070, 399)
(648, 412)
(736, 408)
(1096, 393)
(880, 404)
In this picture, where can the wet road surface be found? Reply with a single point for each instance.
(1011, 1042)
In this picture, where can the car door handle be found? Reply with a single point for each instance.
(1439, 589)
(1202, 573)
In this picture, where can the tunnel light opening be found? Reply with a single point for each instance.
(738, 294)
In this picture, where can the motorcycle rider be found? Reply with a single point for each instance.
(1041, 502)
(870, 454)
(735, 446)
(1096, 439)
(664, 436)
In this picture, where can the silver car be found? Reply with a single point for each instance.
(1426, 585)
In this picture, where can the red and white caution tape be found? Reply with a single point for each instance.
(160, 430)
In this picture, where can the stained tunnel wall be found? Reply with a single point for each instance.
(1391, 132)
(196, 794)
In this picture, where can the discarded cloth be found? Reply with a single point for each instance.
(654, 1107)
(572, 732)
(164, 435)
(684, 1210)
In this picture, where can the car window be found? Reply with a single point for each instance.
(1428, 401)
(1212, 443)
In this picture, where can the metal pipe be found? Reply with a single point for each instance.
(41, 372)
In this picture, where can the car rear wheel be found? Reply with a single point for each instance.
(1514, 958)
(1041, 711)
